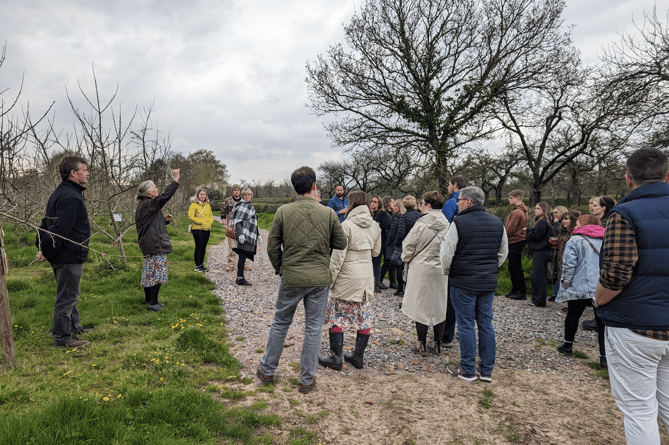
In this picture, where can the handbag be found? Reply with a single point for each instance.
(396, 257)
(230, 233)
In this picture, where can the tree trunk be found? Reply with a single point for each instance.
(8, 356)
(441, 172)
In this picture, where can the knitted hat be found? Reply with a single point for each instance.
(235, 186)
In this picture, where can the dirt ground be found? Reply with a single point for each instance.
(518, 407)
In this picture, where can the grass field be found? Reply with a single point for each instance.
(146, 377)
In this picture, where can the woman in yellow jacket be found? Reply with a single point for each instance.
(201, 216)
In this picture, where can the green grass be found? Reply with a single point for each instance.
(265, 220)
(145, 378)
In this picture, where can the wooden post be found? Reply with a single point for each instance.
(8, 356)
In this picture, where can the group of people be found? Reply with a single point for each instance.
(613, 259)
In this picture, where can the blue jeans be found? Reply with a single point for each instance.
(315, 300)
(469, 307)
(65, 313)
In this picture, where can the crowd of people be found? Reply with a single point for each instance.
(441, 255)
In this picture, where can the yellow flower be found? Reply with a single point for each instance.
(68, 372)
(106, 399)
(93, 364)
(119, 396)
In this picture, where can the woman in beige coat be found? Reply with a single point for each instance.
(425, 296)
(352, 283)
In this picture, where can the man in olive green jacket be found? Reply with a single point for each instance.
(299, 243)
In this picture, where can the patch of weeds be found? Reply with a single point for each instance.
(286, 389)
(266, 388)
(323, 413)
(355, 414)
(259, 350)
(232, 394)
(514, 403)
(300, 436)
(347, 430)
(247, 380)
(540, 343)
(295, 402)
(294, 381)
(240, 338)
(510, 432)
(259, 405)
(579, 354)
(212, 388)
(486, 400)
(602, 373)
(295, 367)
(389, 404)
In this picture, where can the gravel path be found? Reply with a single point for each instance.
(526, 335)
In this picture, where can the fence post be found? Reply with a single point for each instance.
(8, 356)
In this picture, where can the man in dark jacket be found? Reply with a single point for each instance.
(298, 246)
(66, 248)
(339, 204)
(474, 248)
(632, 297)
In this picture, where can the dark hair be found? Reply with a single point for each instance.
(69, 163)
(546, 209)
(435, 199)
(607, 202)
(572, 216)
(460, 180)
(647, 165)
(303, 180)
(378, 198)
(386, 203)
(358, 198)
(588, 219)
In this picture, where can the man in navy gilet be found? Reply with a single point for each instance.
(632, 297)
(474, 248)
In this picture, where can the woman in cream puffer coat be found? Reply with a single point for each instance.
(352, 283)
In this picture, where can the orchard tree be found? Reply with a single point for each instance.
(422, 75)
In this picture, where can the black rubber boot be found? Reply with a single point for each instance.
(360, 345)
(565, 348)
(333, 361)
(602, 363)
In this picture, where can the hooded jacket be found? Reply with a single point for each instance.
(200, 215)
(351, 268)
(425, 296)
(580, 264)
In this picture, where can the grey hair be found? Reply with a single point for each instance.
(247, 191)
(144, 187)
(473, 193)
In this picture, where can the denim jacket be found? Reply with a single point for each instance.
(580, 264)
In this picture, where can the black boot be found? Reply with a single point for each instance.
(360, 345)
(565, 348)
(602, 363)
(334, 360)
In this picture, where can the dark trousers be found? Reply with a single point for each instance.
(575, 309)
(240, 264)
(376, 265)
(449, 328)
(65, 313)
(201, 238)
(516, 268)
(540, 276)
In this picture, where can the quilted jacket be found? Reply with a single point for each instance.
(299, 242)
(200, 216)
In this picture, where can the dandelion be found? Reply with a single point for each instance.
(93, 365)
(119, 396)
(106, 399)
(161, 378)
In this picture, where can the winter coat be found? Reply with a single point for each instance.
(580, 264)
(450, 208)
(515, 223)
(299, 242)
(66, 215)
(425, 295)
(404, 226)
(150, 221)
(383, 219)
(351, 267)
(538, 237)
(392, 233)
(200, 215)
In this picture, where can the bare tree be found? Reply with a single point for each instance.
(422, 74)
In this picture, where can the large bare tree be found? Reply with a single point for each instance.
(422, 74)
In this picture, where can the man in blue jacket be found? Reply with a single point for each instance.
(67, 250)
(450, 209)
(632, 297)
(339, 204)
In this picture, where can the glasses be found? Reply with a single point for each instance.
(463, 199)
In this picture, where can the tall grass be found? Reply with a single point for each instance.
(139, 379)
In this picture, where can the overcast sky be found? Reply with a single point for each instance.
(224, 75)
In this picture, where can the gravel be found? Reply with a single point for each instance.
(526, 336)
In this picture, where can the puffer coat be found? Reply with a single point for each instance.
(580, 264)
(351, 268)
(425, 296)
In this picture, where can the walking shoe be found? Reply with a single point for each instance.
(264, 378)
(154, 307)
(198, 269)
(565, 348)
(517, 296)
(306, 389)
(420, 348)
(74, 342)
(434, 347)
(446, 344)
(589, 325)
(602, 363)
(533, 303)
(241, 281)
(393, 286)
(483, 378)
(377, 289)
(203, 269)
(382, 286)
(399, 293)
(510, 294)
(457, 371)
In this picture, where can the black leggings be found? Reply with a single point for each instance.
(201, 238)
(240, 264)
(421, 331)
(575, 309)
(151, 294)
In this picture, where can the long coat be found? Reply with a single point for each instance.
(351, 268)
(425, 296)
